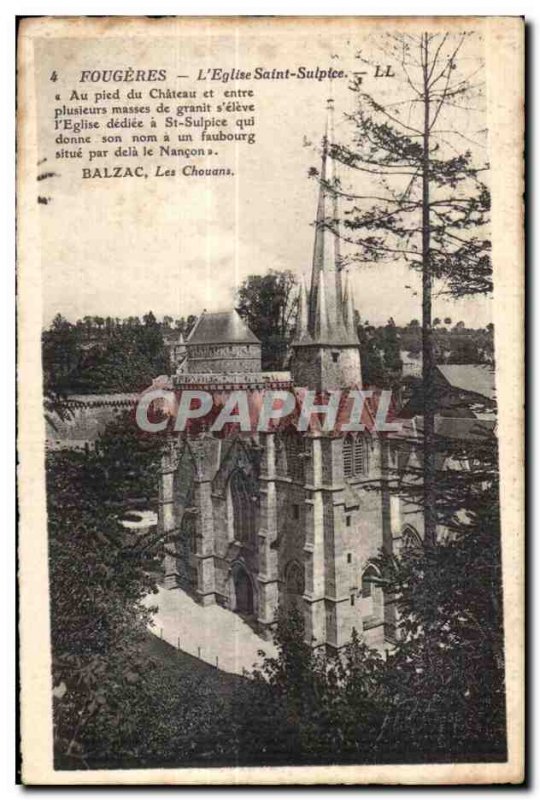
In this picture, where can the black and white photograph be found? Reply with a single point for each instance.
(270, 438)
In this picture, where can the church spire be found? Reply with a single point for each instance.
(326, 251)
(326, 258)
(326, 353)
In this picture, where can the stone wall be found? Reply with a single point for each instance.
(84, 418)
(323, 367)
(330, 527)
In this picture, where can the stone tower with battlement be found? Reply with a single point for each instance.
(326, 351)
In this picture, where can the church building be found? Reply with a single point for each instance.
(264, 520)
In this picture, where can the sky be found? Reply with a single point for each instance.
(178, 245)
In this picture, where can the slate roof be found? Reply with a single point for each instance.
(477, 378)
(221, 327)
(462, 428)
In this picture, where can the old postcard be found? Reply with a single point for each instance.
(270, 400)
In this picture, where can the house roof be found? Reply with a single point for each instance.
(463, 428)
(477, 378)
(221, 327)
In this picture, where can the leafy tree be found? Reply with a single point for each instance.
(273, 711)
(115, 703)
(446, 677)
(125, 464)
(60, 353)
(468, 350)
(380, 355)
(97, 616)
(268, 305)
(371, 355)
(302, 707)
(97, 355)
(391, 349)
(174, 719)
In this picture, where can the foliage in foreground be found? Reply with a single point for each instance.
(438, 697)
(304, 708)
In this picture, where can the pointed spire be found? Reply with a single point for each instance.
(335, 204)
(326, 250)
(302, 332)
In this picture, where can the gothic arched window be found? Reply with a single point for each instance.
(243, 508)
(410, 540)
(372, 605)
(368, 579)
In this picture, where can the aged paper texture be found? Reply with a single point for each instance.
(270, 379)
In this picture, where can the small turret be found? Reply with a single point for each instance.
(301, 335)
(349, 316)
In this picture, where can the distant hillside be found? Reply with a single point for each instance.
(97, 355)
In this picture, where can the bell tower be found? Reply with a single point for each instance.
(326, 351)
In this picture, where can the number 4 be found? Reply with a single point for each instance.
(54, 76)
